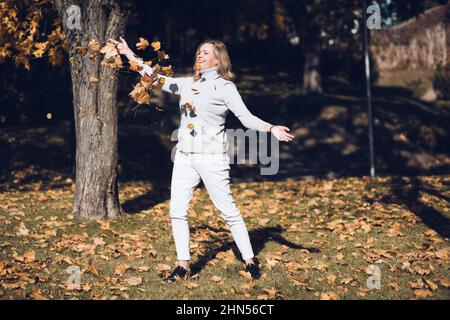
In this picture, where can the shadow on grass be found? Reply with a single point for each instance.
(147, 201)
(258, 237)
(407, 192)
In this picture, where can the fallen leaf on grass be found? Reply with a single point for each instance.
(331, 278)
(98, 241)
(329, 296)
(91, 268)
(216, 278)
(143, 268)
(142, 44)
(246, 275)
(421, 293)
(37, 295)
(192, 285)
(444, 282)
(22, 230)
(121, 268)
(163, 267)
(104, 225)
(134, 281)
(28, 257)
(430, 284)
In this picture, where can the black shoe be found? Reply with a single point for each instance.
(178, 273)
(253, 269)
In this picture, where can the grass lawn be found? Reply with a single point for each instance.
(315, 239)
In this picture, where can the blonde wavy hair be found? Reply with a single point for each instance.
(221, 53)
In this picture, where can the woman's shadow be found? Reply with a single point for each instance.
(259, 238)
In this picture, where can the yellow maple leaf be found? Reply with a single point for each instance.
(109, 50)
(40, 49)
(134, 66)
(156, 45)
(142, 44)
(94, 45)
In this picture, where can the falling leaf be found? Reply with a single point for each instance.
(40, 49)
(134, 66)
(110, 51)
(156, 45)
(140, 93)
(142, 44)
(94, 45)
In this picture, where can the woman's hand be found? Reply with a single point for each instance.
(122, 46)
(281, 133)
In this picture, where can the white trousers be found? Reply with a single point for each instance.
(214, 170)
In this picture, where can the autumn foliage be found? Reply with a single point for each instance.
(24, 37)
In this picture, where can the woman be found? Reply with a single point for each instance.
(205, 99)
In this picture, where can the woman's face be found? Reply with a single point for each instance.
(206, 57)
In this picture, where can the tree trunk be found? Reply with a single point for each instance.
(309, 33)
(95, 109)
(312, 80)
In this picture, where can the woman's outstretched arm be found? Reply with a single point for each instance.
(234, 102)
(171, 84)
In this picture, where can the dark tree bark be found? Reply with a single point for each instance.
(312, 79)
(309, 33)
(95, 109)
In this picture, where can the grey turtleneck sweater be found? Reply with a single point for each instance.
(204, 105)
